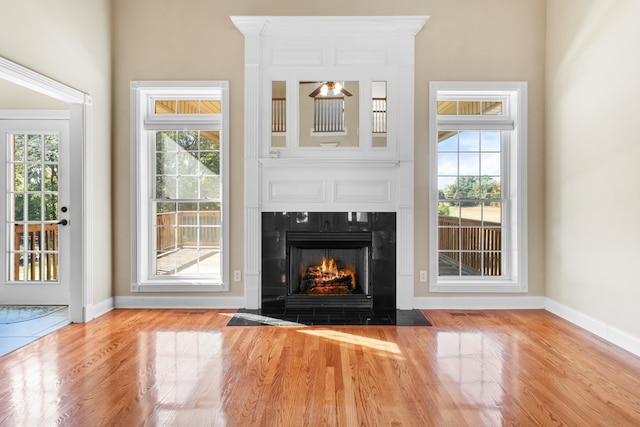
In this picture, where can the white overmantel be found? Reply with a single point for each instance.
(329, 179)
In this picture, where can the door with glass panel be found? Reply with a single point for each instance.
(35, 226)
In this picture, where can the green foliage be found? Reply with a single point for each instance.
(470, 190)
(36, 176)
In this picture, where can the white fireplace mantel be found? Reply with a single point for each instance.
(364, 178)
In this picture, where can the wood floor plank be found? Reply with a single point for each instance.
(187, 368)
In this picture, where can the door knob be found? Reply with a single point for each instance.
(63, 222)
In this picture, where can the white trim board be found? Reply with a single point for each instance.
(179, 302)
(601, 329)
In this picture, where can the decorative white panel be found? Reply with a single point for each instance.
(361, 56)
(296, 191)
(350, 191)
(355, 179)
(297, 56)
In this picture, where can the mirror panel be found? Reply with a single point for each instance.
(379, 111)
(328, 112)
(278, 114)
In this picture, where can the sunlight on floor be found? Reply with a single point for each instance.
(372, 343)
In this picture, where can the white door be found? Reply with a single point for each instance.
(35, 227)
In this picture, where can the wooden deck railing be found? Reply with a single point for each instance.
(38, 249)
(477, 245)
(175, 231)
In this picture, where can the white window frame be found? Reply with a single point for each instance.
(513, 123)
(145, 122)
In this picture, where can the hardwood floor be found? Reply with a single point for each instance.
(186, 368)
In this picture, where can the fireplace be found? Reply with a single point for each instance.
(329, 269)
(328, 260)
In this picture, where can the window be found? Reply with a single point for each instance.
(179, 134)
(478, 187)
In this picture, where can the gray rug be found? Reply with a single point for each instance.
(22, 313)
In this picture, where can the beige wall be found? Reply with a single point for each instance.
(592, 154)
(195, 39)
(70, 41)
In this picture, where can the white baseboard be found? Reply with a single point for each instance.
(178, 302)
(479, 303)
(607, 332)
(96, 310)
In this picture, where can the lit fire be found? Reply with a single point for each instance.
(327, 278)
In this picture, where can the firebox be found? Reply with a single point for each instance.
(328, 259)
(329, 269)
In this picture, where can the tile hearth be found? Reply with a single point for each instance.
(328, 317)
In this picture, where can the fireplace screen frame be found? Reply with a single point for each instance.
(330, 244)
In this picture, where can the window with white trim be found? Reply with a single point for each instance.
(179, 152)
(477, 219)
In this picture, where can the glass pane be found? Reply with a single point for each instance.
(470, 164)
(469, 108)
(51, 148)
(470, 141)
(448, 164)
(50, 177)
(328, 114)
(210, 187)
(188, 107)
(166, 141)
(490, 187)
(34, 178)
(166, 187)
(18, 148)
(490, 141)
(490, 164)
(34, 148)
(492, 108)
(448, 107)
(187, 163)
(471, 263)
(211, 107)
(188, 140)
(18, 177)
(165, 107)
(210, 163)
(448, 140)
(166, 163)
(379, 110)
(449, 264)
(188, 187)
(35, 207)
(447, 188)
(278, 114)
(492, 263)
(51, 207)
(18, 207)
(492, 213)
(210, 140)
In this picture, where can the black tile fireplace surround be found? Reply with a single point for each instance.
(372, 248)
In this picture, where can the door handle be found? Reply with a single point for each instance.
(63, 222)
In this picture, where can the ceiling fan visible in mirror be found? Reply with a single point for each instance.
(329, 88)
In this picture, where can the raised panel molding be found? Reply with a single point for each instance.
(361, 56)
(349, 191)
(296, 191)
(297, 56)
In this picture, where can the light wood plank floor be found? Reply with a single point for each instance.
(186, 368)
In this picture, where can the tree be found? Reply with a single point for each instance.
(470, 190)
